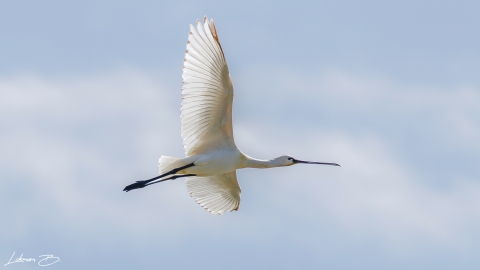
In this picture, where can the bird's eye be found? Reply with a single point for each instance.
(290, 158)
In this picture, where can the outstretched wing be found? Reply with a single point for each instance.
(217, 193)
(207, 92)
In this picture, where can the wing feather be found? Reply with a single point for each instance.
(207, 92)
(199, 44)
(210, 42)
(217, 193)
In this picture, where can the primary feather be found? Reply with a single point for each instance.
(207, 93)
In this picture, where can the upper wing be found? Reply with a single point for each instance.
(217, 193)
(207, 92)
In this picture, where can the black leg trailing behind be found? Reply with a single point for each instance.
(144, 183)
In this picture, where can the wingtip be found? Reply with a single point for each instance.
(213, 30)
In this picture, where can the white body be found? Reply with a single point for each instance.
(215, 162)
(225, 160)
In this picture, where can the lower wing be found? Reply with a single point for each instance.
(217, 193)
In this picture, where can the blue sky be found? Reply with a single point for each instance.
(90, 98)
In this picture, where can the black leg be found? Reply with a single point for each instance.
(141, 184)
(170, 178)
(174, 171)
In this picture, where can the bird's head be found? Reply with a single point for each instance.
(289, 161)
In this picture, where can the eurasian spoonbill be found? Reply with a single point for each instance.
(206, 129)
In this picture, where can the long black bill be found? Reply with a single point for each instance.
(311, 162)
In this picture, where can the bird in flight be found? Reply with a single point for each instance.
(212, 157)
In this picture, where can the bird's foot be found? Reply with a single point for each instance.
(138, 184)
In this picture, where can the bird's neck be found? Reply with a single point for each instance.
(260, 164)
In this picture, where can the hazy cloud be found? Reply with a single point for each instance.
(70, 145)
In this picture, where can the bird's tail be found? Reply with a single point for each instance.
(166, 164)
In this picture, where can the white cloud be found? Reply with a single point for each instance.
(373, 194)
(70, 146)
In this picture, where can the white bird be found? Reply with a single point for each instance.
(212, 157)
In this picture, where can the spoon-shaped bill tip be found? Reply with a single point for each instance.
(312, 162)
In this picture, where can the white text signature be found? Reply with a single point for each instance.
(43, 260)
